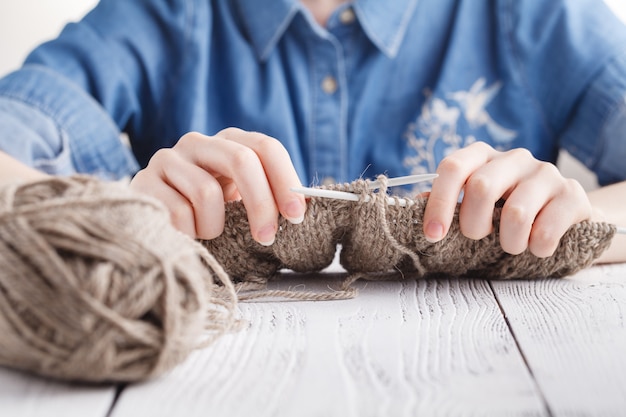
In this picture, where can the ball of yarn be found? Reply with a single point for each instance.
(96, 285)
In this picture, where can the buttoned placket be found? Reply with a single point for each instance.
(329, 135)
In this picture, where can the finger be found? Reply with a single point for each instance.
(569, 207)
(278, 168)
(202, 191)
(181, 212)
(240, 163)
(524, 204)
(229, 189)
(487, 185)
(453, 173)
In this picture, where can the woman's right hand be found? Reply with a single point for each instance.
(200, 173)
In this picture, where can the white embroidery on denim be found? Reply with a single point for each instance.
(436, 126)
(474, 103)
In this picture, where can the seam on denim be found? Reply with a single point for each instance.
(505, 14)
(279, 32)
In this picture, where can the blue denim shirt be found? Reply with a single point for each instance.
(387, 87)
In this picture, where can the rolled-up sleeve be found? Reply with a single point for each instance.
(571, 58)
(114, 71)
(597, 133)
(51, 124)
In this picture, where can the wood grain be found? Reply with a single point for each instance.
(24, 395)
(400, 348)
(573, 335)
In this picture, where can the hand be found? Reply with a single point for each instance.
(540, 204)
(200, 173)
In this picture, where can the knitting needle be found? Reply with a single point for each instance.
(343, 195)
(391, 182)
(409, 179)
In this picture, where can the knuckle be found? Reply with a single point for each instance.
(549, 170)
(576, 189)
(243, 157)
(189, 137)
(161, 157)
(575, 198)
(521, 153)
(452, 165)
(205, 194)
(516, 215)
(479, 185)
(574, 186)
(181, 213)
(229, 132)
(267, 145)
(543, 242)
(482, 146)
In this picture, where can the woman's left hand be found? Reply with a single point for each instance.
(540, 204)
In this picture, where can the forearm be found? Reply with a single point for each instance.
(12, 170)
(609, 205)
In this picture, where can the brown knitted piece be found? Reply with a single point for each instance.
(97, 285)
(378, 238)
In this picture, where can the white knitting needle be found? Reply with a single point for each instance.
(344, 195)
(409, 179)
(391, 182)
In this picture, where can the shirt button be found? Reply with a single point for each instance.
(329, 84)
(347, 16)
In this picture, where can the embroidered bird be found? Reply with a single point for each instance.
(474, 104)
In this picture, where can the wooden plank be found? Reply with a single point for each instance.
(23, 395)
(400, 348)
(573, 335)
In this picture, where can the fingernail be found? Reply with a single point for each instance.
(294, 212)
(433, 231)
(267, 235)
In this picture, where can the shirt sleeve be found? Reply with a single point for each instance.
(111, 72)
(570, 57)
(597, 132)
(51, 124)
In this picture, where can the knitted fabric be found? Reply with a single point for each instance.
(376, 238)
(97, 285)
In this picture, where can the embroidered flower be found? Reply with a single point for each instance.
(435, 133)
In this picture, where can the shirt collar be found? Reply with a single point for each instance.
(384, 22)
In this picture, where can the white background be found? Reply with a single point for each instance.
(26, 23)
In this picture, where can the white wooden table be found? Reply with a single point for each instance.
(401, 348)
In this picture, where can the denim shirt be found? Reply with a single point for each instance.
(386, 87)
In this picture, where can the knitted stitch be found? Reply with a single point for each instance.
(97, 285)
(377, 238)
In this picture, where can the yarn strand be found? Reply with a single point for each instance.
(98, 286)
(381, 204)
